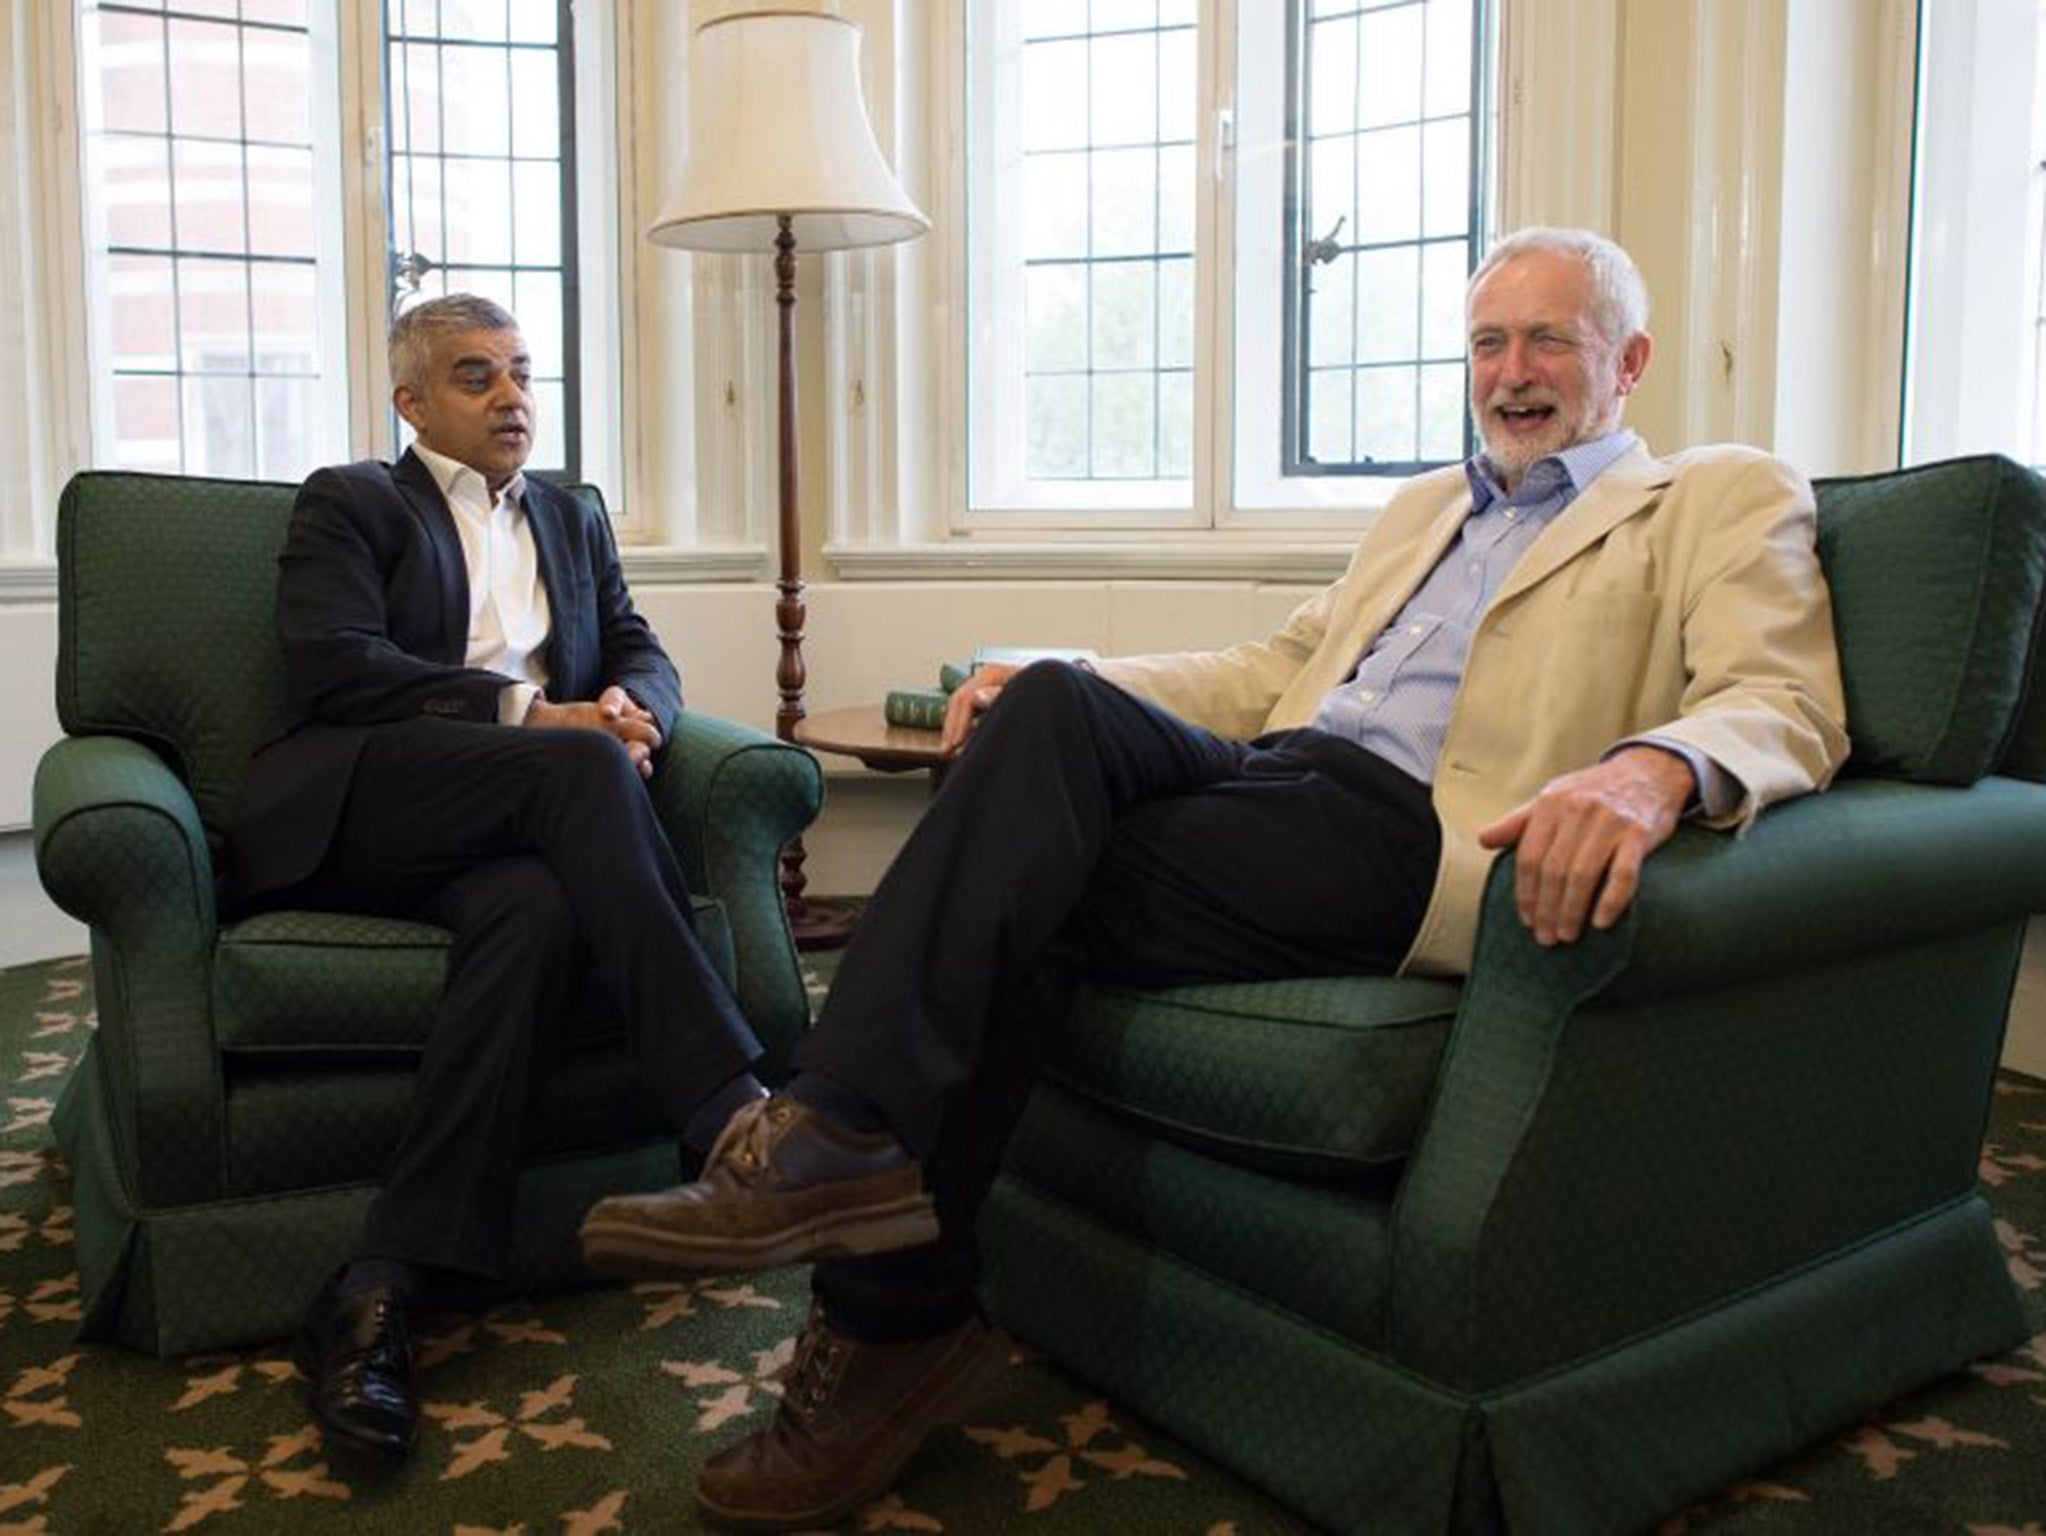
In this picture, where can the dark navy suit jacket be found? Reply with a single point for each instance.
(373, 612)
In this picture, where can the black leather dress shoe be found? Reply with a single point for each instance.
(356, 1356)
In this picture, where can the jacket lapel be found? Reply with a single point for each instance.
(1623, 490)
(1406, 545)
(550, 546)
(415, 480)
(1423, 551)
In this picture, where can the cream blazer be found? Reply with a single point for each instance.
(1681, 596)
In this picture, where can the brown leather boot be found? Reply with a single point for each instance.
(782, 1185)
(851, 1415)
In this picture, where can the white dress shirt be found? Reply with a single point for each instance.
(509, 620)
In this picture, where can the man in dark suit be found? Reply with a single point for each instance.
(477, 702)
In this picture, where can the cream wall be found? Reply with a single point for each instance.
(1769, 222)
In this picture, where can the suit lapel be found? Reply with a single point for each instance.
(550, 545)
(1423, 552)
(423, 496)
(1623, 490)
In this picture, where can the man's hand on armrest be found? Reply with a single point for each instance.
(1587, 834)
(614, 711)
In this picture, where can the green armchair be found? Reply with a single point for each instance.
(249, 1080)
(1604, 1227)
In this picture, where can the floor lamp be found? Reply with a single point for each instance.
(781, 156)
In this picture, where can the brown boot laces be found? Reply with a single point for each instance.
(748, 1134)
(813, 1376)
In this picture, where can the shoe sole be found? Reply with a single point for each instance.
(624, 1248)
(954, 1403)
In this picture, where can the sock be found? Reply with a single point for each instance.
(709, 1117)
(834, 1101)
(378, 1274)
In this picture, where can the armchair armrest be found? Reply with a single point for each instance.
(729, 797)
(119, 846)
(1870, 865)
(1786, 1047)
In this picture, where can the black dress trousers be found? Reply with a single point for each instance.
(539, 849)
(1086, 831)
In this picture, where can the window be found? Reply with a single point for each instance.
(1975, 375)
(1379, 136)
(481, 110)
(2033, 450)
(2032, 446)
(1084, 280)
(217, 351)
(214, 209)
(1199, 304)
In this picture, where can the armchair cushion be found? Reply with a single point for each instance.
(1322, 1075)
(1936, 574)
(338, 984)
(1222, 1217)
(299, 1123)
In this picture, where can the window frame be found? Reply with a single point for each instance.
(1976, 240)
(352, 193)
(400, 265)
(1222, 506)
(1079, 504)
(96, 255)
(1296, 372)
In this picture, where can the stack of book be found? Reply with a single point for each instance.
(923, 709)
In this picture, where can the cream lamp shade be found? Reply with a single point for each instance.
(778, 129)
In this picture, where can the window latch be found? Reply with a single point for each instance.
(1225, 140)
(1319, 253)
(407, 268)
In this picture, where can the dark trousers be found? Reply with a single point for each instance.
(539, 850)
(1088, 832)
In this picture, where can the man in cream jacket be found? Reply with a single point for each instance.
(1564, 647)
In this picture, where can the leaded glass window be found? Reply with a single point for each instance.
(218, 352)
(1108, 150)
(480, 101)
(1215, 254)
(1083, 216)
(1975, 358)
(1382, 227)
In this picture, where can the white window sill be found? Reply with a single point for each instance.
(1203, 557)
(651, 564)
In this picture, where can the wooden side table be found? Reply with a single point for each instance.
(862, 731)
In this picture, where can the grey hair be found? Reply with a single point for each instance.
(1619, 298)
(415, 331)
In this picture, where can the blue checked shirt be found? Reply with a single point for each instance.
(1398, 702)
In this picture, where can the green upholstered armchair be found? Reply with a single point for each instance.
(1611, 1225)
(248, 1081)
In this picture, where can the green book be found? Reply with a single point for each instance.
(921, 709)
(953, 673)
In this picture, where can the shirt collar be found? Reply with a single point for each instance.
(1561, 476)
(449, 474)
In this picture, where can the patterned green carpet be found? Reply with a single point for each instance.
(585, 1414)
